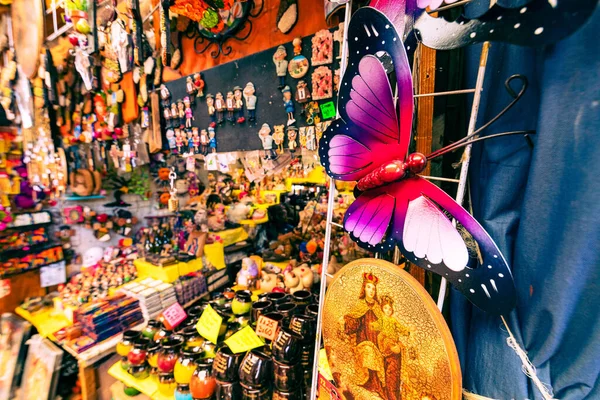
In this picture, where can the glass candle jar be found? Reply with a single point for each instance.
(203, 384)
(242, 302)
(186, 365)
(137, 354)
(151, 328)
(169, 353)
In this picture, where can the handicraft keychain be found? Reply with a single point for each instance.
(302, 92)
(196, 140)
(190, 89)
(250, 99)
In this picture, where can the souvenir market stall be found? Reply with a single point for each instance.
(223, 199)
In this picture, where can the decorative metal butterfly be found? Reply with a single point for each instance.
(369, 144)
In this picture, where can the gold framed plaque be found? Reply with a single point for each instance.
(385, 337)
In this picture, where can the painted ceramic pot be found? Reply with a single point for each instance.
(151, 328)
(183, 393)
(226, 365)
(287, 310)
(162, 334)
(152, 356)
(203, 384)
(277, 297)
(312, 309)
(305, 325)
(166, 384)
(186, 365)
(209, 350)
(287, 346)
(196, 311)
(256, 369)
(126, 343)
(302, 298)
(260, 308)
(242, 302)
(169, 353)
(139, 371)
(296, 394)
(191, 336)
(228, 391)
(287, 377)
(137, 354)
(252, 393)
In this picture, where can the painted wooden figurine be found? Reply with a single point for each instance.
(278, 137)
(281, 65)
(189, 115)
(174, 115)
(190, 88)
(250, 98)
(212, 142)
(220, 107)
(165, 95)
(203, 141)
(196, 139)
(302, 92)
(238, 104)
(178, 141)
(190, 142)
(230, 104)
(171, 139)
(167, 115)
(292, 134)
(288, 103)
(210, 103)
(267, 142)
(199, 84)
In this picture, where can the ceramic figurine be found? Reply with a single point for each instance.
(190, 142)
(298, 66)
(167, 116)
(181, 113)
(189, 115)
(238, 104)
(165, 95)
(297, 42)
(278, 137)
(210, 103)
(220, 107)
(302, 92)
(248, 274)
(203, 141)
(299, 278)
(199, 84)
(288, 103)
(174, 115)
(292, 134)
(196, 139)
(190, 88)
(267, 142)
(230, 105)
(212, 142)
(178, 140)
(281, 65)
(171, 139)
(250, 98)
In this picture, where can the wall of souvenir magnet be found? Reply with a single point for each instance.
(290, 88)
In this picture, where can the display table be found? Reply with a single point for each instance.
(228, 237)
(46, 321)
(148, 386)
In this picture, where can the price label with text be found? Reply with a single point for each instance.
(328, 110)
(173, 316)
(267, 327)
(209, 324)
(244, 340)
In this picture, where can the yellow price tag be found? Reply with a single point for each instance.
(209, 324)
(244, 340)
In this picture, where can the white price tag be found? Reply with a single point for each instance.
(53, 274)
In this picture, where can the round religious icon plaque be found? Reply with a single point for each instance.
(385, 338)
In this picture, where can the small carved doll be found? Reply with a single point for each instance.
(196, 139)
(167, 115)
(210, 103)
(178, 140)
(288, 104)
(230, 102)
(220, 107)
(199, 84)
(189, 115)
(281, 65)
(174, 115)
(278, 137)
(250, 98)
(181, 113)
(302, 92)
(171, 139)
(190, 88)
(203, 141)
(292, 134)
(212, 142)
(267, 141)
(165, 95)
(190, 142)
(238, 104)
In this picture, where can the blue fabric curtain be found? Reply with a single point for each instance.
(542, 206)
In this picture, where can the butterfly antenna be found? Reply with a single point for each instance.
(457, 145)
(516, 97)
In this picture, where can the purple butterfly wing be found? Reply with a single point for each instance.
(371, 130)
(410, 214)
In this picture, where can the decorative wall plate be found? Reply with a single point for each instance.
(385, 337)
(298, 66)
(28, 33)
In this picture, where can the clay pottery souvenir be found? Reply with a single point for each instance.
(255, 393)
(256, 369)
(209, 350)
(227, 318)
(302, 298)
(183, 393)
(260, 308)
(218, 299)
(139, 371)
(137, 354)
(169, 353)
(296, 394)
(287, 310)
(151, 328)
(313, 310)
(228, 391)
(229, 293)
(242, 302)
(277, 297)
(226, 365)
(191, 336)
(203, 384)
(162, 334)
(305, 325)
(152, 356)
(125, 345)
(287, 346)
(239, 322)
(166, 384)
(196, 311)
(287, 377)
(186, 365)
